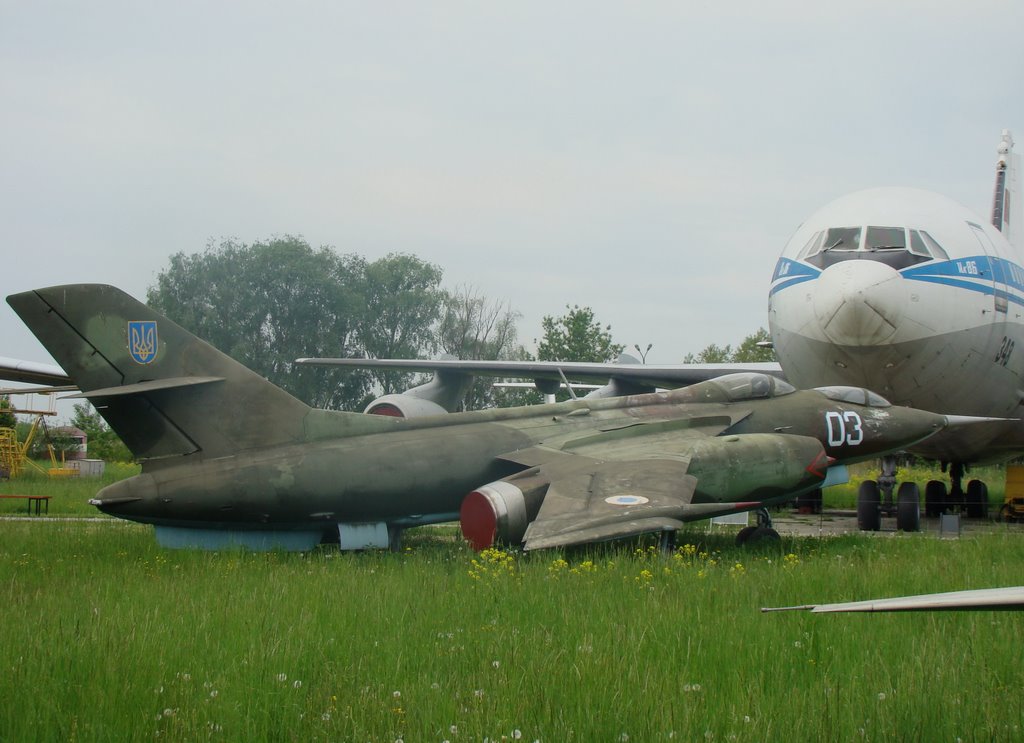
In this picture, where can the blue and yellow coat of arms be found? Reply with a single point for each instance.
(142, 340)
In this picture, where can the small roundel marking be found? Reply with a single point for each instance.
(626, 500)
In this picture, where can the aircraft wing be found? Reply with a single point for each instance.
(16, 370)
(651, 375)
(625, 482)
(613, 500)
(1005, 599)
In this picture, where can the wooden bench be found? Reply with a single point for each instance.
(33, 500)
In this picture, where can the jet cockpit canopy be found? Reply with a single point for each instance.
(750, 386)
(856, 395)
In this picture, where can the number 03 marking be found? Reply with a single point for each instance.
(844, 428)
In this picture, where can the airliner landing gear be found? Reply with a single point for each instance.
(869, 506)
(887, 483)
(974, 501)
(908, 507)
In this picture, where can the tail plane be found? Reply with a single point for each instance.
(164, 391)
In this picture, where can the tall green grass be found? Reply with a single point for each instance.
(69, 496)
(107, 637)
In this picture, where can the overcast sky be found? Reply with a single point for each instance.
(648, 159)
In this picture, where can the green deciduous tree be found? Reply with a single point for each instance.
(7, 418)
(271, 302)
(403, 300)
(576, 336)
(746, 353)
(101, 442)
(473, 327)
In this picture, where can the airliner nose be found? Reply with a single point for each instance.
(859, 302)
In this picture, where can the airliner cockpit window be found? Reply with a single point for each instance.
(882, 244)
(917, 246)
(886, 238)
(842, 238)
(934, 248)
(813, 245)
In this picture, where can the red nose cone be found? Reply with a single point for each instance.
(479, 521)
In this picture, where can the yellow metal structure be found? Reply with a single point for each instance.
(1013, 502)
(14, 453)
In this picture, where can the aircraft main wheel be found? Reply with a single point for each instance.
(977, 499)
(869, 507)
(934, 498)
(743, 536)
(908, 507)
(762, 535)
(1005, 515)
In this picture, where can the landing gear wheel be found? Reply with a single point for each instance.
(869, 507)
(934, 498)
(1005, 515)
(977, 499)
(908, 507)
(743, 536)
(809, 502)
(763, 535)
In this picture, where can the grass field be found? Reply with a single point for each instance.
(110, 638)
(107, 637)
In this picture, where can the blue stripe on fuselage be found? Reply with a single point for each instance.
(973, 273)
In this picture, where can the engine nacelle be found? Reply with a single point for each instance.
(404, 406)
(499, 512)
(756, 467)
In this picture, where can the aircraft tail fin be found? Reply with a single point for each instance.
(1006, 204)
(165, 392)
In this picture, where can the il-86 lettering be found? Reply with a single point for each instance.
(844, 428)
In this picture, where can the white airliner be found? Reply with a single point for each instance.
(911, 295)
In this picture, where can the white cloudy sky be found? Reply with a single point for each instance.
(649, 159)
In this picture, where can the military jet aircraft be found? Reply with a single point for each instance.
(229, 458)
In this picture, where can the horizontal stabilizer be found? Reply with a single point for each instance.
(144, 387)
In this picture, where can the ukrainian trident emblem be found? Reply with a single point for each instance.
(142, 340)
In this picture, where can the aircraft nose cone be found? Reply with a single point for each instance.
(859, 302)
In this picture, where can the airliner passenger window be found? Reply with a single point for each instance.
(886, 238)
